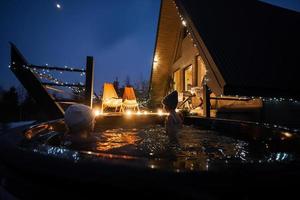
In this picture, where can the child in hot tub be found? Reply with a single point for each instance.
(80, 122)
(174, 120)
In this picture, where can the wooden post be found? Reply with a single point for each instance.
(89, 81)
(206, 101)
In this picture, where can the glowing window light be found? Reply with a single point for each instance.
(145, 113)
(138, 113)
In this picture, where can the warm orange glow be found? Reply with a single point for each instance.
(155, 61)
(287, 134)
(145, 113)
(138, 113)
(97, 112)
(110, 97)
(128, 112)
(129, 93)
(160, 112)
(112, 140)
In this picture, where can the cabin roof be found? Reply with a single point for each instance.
(254, 45)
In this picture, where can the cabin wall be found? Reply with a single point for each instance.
(168, 31)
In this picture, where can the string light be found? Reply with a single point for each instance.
(190, 34)
(45, 74)
(160, 112)
(128, 112)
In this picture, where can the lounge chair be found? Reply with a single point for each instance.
(110, 98)
(129, 99)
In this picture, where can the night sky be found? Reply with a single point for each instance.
(120, 34)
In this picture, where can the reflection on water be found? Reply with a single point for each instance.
(197, 149)
(57, 152)
(117, 139)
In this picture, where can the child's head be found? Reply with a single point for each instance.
(170, 101)
(79, 118)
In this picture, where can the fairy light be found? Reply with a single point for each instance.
(128, 112)
(44, 74)
(97, 112)
(206, 80)
(160, 112)
(287, 134)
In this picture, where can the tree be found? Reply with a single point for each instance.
(9, 106)
(78, 94)
(116, 86)
(127, 82)
(141, 87)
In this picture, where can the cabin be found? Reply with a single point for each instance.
(242, 55)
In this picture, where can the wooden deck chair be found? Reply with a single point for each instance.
(110, 98)
(130, 99)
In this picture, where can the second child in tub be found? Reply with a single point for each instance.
(174, 120)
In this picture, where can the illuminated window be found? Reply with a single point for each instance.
(188, 78)
(176, 78)
(201, 70)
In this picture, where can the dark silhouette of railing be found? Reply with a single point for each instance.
(38, 90)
